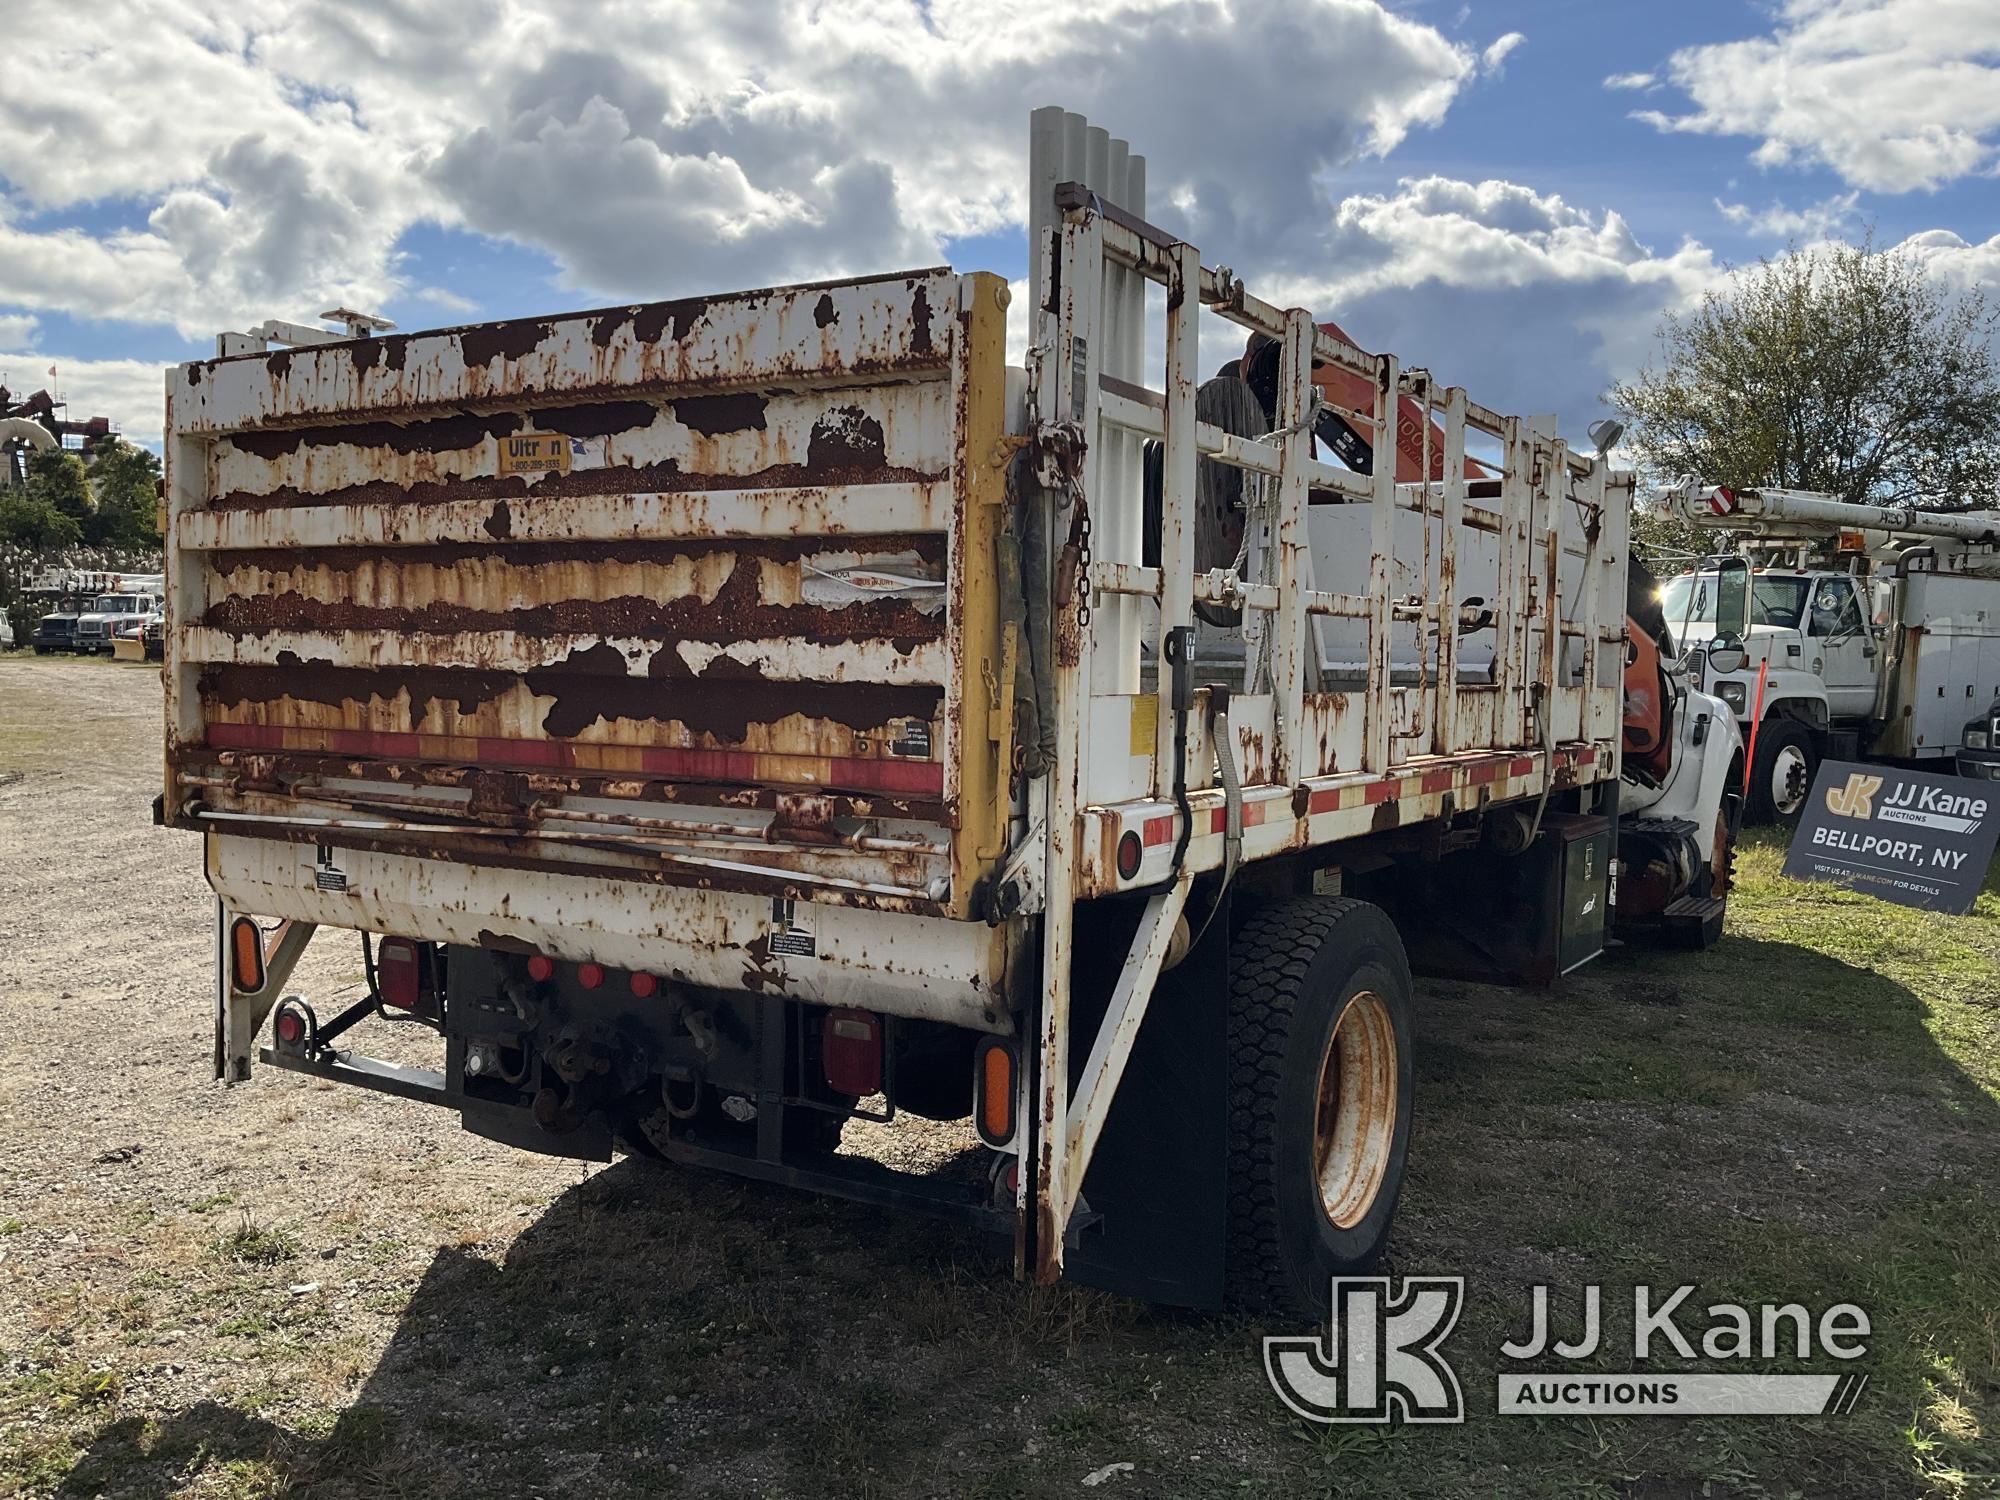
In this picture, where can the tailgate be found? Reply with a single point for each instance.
(692, 592)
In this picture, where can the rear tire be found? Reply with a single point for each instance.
(1781, 780)
(1320, 1093)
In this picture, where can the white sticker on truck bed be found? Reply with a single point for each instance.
(790, 936)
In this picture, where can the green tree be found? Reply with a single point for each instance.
(124, 479)
(33, 522)
(1842, 369)
(58, 480)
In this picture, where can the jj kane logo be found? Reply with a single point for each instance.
(1380, 1358)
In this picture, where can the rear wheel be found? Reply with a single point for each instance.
(1781, 780)
(1320, 1092)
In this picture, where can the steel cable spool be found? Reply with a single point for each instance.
(1221, 490)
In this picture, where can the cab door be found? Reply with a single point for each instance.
(1840, 648)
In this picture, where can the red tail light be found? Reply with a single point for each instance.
(540, 967)
(399, 974)
(590, 976)
(851, 1041)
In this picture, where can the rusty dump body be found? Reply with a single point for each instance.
(599, 633)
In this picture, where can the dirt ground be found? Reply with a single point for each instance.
(288, 1288)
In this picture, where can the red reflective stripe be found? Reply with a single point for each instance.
(1521, 765)
(1157, 830)
(1327, 799)
(1437, 781)
(919, 777)
(1387, 790)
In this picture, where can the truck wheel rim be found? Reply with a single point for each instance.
(1788, 780)
(1354, 1129)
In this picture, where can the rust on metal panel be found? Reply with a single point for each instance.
(749, 654)
(751, 591)
(238, 770)
(604, 861)
(869, 436)
(827, 332)
(589, 689)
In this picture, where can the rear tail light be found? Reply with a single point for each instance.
(399, 974)
(541, 968)
(590, 976)
(993, 1078)
(851, 1043)
(246, 955)
(645, 986)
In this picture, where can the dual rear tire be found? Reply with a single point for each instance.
(1320, 1093)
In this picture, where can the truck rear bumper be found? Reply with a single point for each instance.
(928, 968)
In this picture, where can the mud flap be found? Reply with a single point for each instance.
(1155, 1200)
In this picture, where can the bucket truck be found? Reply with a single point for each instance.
(1839, 629)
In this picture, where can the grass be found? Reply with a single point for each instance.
(1806, 1113)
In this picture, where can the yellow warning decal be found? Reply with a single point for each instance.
(1145, 723)
(534, 453)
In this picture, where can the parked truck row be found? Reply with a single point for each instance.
(87, 612)
(724, 718)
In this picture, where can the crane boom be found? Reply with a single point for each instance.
(1803, 514)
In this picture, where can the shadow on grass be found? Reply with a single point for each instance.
(1761, 1120)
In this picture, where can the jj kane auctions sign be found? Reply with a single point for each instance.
(1906, 836)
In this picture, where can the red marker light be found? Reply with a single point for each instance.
(590, 976)
(645, 986)
(541, 966)
(1130, 852)
(400, 974)
(291, 1027)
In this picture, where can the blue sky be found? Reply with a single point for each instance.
(305, 153)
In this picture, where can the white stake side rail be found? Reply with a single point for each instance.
(1317, 767)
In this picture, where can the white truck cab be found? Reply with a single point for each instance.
(108, 615)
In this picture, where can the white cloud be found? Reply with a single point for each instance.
(1813, 222)
(1494, 58)
(1954, 262)
(1894, 95)
(1530, 302)
(131, 392)
(444, 297)
(277, 150)
(15, 330)
(1637, 81)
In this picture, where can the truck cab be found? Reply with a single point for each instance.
(107, 617)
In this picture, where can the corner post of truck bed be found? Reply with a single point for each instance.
(1070, 399)
(981, 694)
(1294, 544)
(186, 489)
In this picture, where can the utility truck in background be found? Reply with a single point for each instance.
(729, 717)
(1845, 630)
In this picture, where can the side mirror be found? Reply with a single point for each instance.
(1732, 600)
(1726, 656)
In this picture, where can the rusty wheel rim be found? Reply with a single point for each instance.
(1354, 1127)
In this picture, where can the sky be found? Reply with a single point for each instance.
(1511, 193)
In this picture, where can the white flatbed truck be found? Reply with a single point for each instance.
(736, 714)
